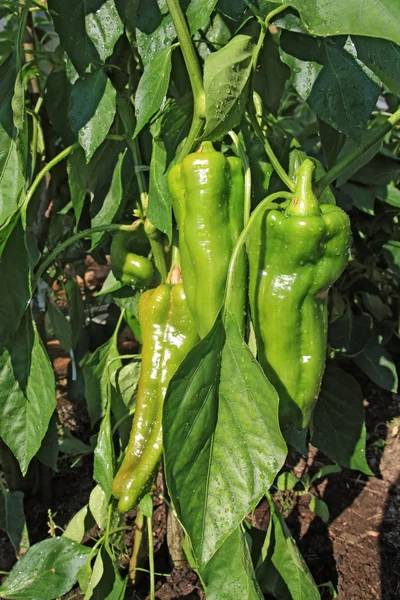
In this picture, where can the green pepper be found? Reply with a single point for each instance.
(207, 191)
(168, 333)
(295, 255)
(129, 267)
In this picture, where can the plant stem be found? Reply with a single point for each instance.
(347, 161)
(45, 170)
(262, 207)
(151, 557)
(78, 236)
(195, 76)
(241, 153)
(268, 149)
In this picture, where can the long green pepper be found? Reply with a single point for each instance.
(295, 256)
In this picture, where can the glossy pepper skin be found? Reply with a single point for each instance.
(207, 191)
(128, 267)
(168, 333)
(295, 255)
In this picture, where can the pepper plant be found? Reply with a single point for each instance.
(215, 152)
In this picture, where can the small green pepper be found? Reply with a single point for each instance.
(128, 267)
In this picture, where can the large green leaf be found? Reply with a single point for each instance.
(383, 57)
(88, 30)
(92, 110)
(14, 274)
(152, 88)
(338, 421)
(48, 570)
(378, 365)
(12, 155)
(281, 570)
(223, 445)
(379, 19)
(230, 573)
(27, 392)
(12, 518)
(226, 78)
(97, 371)
(198, 13)
(330, 79)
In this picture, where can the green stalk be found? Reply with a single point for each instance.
(78, 236)
(195, 77)
(241, 153)
(262, 207)
(63, 154)
(268, 149)
(357, 153)
(151, 557)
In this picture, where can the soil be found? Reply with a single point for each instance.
(358, 550)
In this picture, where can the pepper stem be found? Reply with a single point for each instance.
(304, 202)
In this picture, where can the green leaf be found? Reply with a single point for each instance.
(96, 373)
(49, 448)
(104, 460)
(297, 439)
(49, 569)
(391, 252)
(222, 440)
(389, 194)
(75, 308)
(363, 197)
(123, 396)
(12, 517)
(152, 88)
(154, 29)
(286, 481)
(230, 574)
(378, 365)
(198, 13)
(226, 79)
(111, 586)
(61, 326)
(104, 26)
(325, 471)
(12, 154)
(376, 19)
(319, 508)
(76, 528)
(92, 110)
(338, 421)
(114, 197)
(350, 333)
(328, 77)
(383, 57)
(14, 274)
(77, 180)
(27, 393)
(57, 95)
(271, 74)
(281, 570)
(98, 505)
(70, 24)
(160, 210)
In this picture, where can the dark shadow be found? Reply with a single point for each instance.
(389, 545)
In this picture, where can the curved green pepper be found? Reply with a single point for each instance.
(168, 333)
(128, 267)
(295, 256)
(207, 191)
